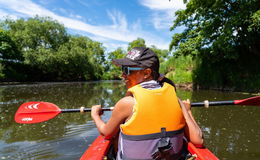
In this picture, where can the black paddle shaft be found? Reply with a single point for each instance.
(249, 101)
(85, 110)
(213, 103)
(195, 104)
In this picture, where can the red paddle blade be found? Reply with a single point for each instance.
(253, 101)
(35, 112)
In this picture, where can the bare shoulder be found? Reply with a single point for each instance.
(125, 102)
(125, 105)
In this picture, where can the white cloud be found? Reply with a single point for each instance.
(163, 4)
(163, 11)
(112, 46)
(119, 20)
(162, 23)
(4, 14)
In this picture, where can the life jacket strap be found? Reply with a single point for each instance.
(161, 134)
(164, 146)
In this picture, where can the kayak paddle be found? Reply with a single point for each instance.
(252, 101)
(35, 112)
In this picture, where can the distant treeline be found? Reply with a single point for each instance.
(40, 49)
(219, 47)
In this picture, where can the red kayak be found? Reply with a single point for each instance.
(99, 150)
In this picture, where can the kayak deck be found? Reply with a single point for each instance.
(100, 147)
(97, 150)
(201, 153)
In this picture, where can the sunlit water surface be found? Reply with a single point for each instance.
(231, 132)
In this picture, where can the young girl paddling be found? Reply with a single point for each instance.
(151, 120)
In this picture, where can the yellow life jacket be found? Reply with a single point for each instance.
(153, 110)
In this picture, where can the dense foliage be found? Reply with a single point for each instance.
(114, 72)
(224, 37)
(39, 49)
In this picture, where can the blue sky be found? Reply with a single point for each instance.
(114, 23)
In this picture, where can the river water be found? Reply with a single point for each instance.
(231, 132)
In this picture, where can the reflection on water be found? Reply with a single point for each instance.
(231, 132)
(64, 137)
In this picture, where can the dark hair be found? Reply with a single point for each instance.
(161, 79)
(155, 74)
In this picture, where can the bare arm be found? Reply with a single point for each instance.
(192, 129)
(122, 110)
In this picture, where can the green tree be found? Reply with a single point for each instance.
(224, 36)
(96, 53)
(139, 42)
(36, 33)
(48, 53)
(33, 38)
(163, 54)
(10, 58)
(2, 75)
(78, 59)
(220, 28)
(114, 71)
(8, 48)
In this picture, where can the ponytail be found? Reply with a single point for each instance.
(163, 79)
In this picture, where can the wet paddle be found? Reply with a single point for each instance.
(35, 112)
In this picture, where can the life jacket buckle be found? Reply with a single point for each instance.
(164, 147)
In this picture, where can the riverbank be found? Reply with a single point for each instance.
(193, 74)
(192, 87)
